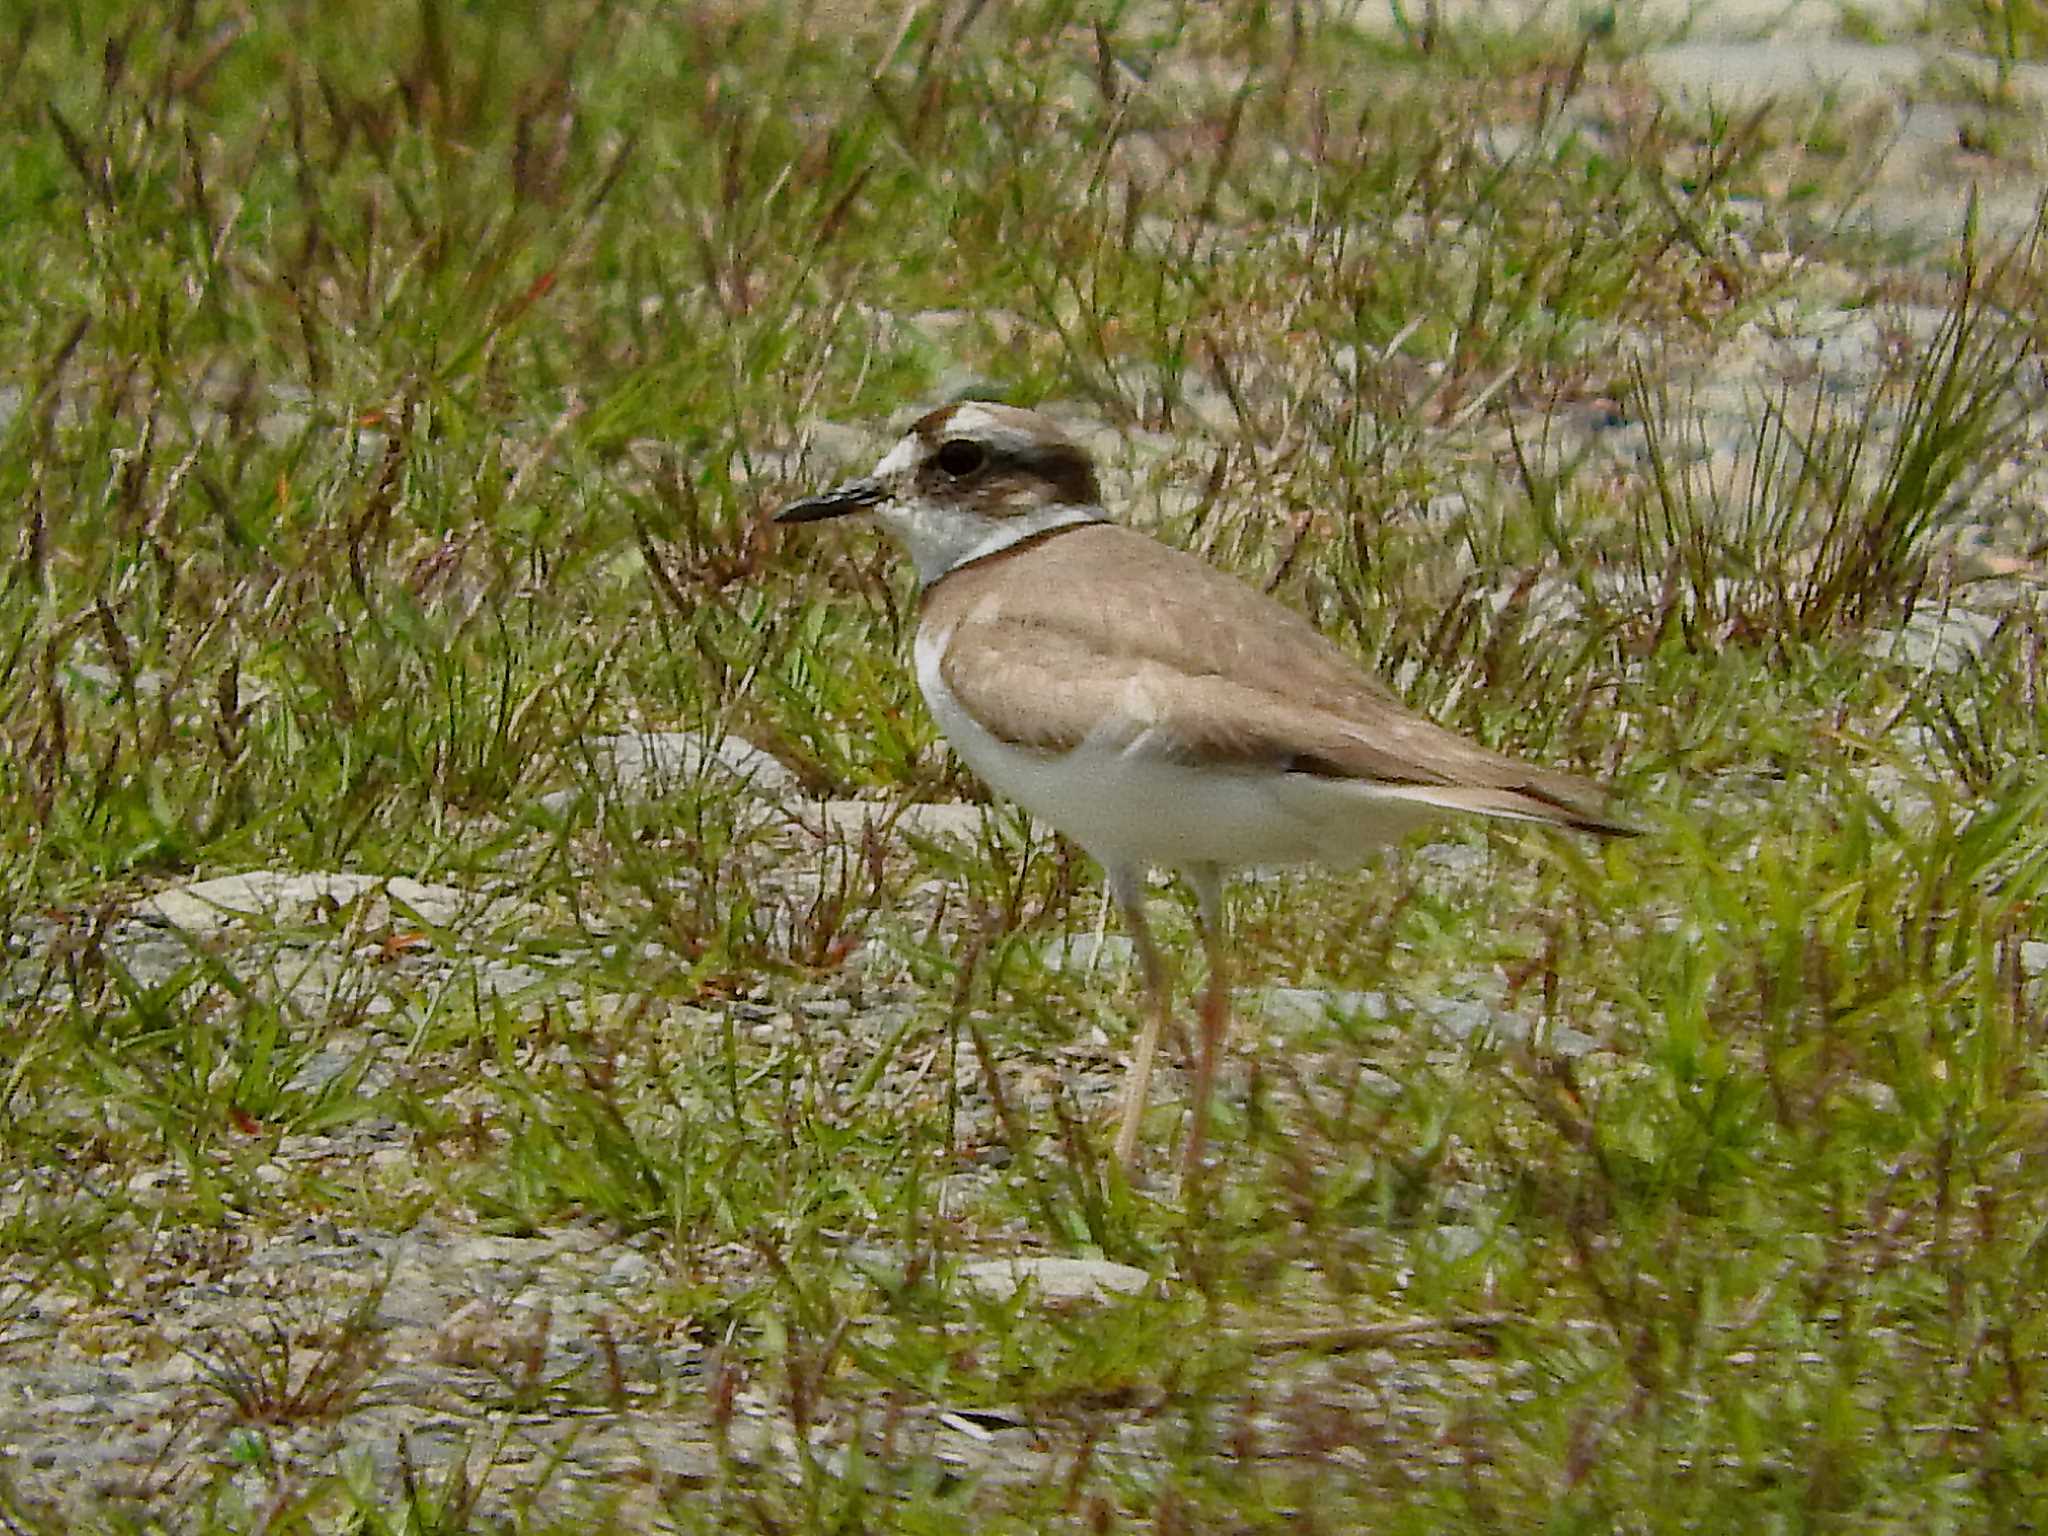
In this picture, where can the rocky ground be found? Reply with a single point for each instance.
(255, 1359)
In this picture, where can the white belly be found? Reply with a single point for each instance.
(1135, 808)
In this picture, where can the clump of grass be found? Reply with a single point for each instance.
(290, 1369)
(1833, 521)
(572, 1148)
(1986, 719)
(427, 1505)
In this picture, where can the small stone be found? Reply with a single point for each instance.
(1453, 858)
(1463, 1017)
(322, 1068)
(1571, 1043)
(1455, 1241)
(629, 1268)
(1303, 1007)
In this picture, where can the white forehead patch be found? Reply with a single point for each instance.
(971, 418)
(898, 459)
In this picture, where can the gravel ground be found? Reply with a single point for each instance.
(271, 1354)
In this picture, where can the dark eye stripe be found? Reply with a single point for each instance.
(1062, 466)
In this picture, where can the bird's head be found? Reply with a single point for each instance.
(968, 481)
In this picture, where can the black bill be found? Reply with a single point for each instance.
(854, 496)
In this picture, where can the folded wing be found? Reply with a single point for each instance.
(1173, 658)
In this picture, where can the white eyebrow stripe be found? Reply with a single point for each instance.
(1002, 440)
(898, 459)
(971, 419)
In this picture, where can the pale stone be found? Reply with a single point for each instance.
(285, 897)
(1054, 1279)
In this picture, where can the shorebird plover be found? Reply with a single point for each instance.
(1156, 710)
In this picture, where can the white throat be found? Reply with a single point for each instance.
(941, 538)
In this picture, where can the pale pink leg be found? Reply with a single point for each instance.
(1208, 883)
(1129, 889)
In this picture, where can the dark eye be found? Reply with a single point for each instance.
(960, 458)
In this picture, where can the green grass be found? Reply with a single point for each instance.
(396, 395)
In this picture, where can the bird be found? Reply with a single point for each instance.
(1160, 712)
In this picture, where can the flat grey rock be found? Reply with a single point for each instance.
(1745, 73)
(1298, 1007)
(1936, 641)
(1710, 18)
(286, 898)
(1463, 1017)
(1054, 1279)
